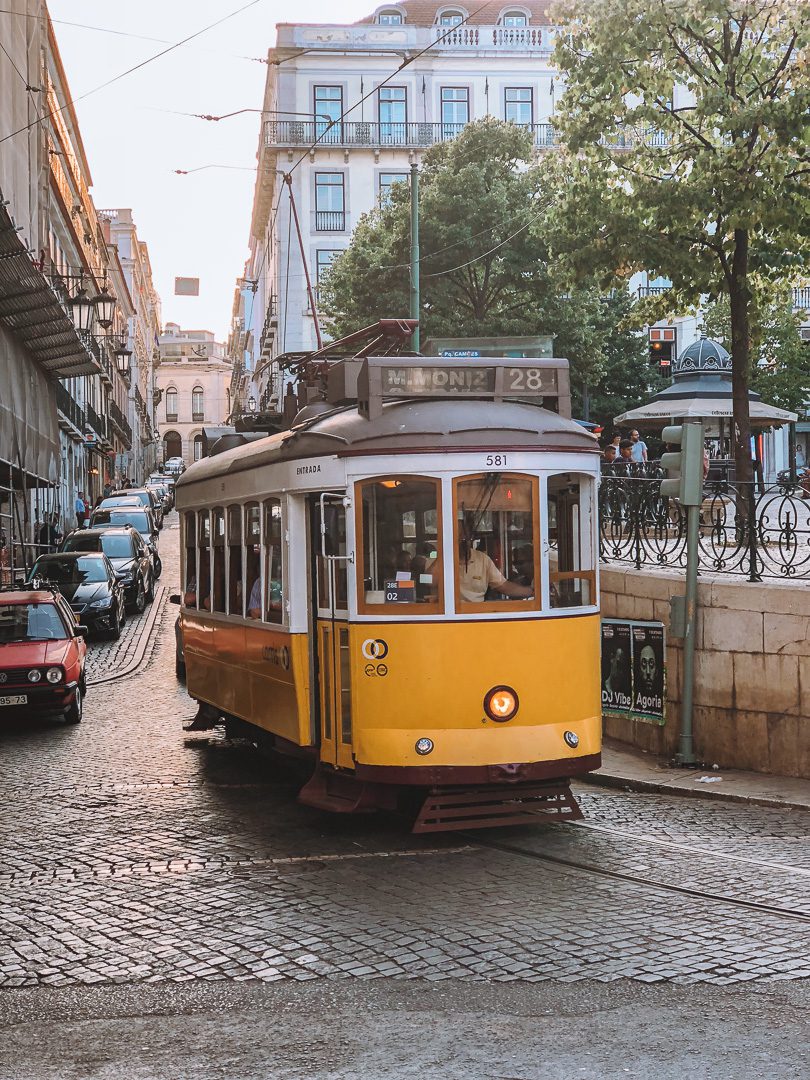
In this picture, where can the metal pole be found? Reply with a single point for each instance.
(415, 252)
(686, 753)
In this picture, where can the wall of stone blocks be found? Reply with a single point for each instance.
(752, 669)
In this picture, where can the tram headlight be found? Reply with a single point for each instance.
(571, 739)
(423, 746)
(501, 703)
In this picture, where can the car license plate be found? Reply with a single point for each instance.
(14, 699)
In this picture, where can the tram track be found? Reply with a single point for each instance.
(637, 879)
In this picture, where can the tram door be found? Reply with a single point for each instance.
(330, 603)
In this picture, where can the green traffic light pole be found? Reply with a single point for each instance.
(415, 251)
(687, 484)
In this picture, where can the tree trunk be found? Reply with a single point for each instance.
(739, 297)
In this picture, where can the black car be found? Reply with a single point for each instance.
(129, 557)
(89, 584)
(141, 519)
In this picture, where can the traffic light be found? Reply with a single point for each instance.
(684, 468)
(662, 346)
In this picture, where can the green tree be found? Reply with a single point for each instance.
(685, 131)
(485, 267)
(781, 360)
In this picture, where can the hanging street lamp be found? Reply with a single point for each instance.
(123, 353)
(251, 404)
(83, 310)
(104, 304)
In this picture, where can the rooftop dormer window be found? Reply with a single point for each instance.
(390, 17)
(514, 18)
(450, 18)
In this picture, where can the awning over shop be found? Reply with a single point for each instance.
(29, 434)
(35, 313)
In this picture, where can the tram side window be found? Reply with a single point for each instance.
(253, 565)
(497, 543)
(274, 585)
(204, 560)
(401, 560)
(190, 544)
(572, 577)
(218, 541)
(235, 580)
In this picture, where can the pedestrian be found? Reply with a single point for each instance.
(48, 536)
(609, 455)
(624, 464)
(639, 448)
(79, 509)
(108, 490)
(87, 510)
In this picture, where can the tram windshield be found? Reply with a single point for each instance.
(497, 543)
(401, 566)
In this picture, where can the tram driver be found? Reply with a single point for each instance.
(477, 573)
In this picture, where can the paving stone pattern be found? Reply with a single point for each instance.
(130, 852)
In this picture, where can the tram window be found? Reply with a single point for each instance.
(401, 563)
(497, 543)
(190, 545)
(204, 560)
(572, 578)
(253, 566)
(235, 582)
(274, 585)
(218, 541)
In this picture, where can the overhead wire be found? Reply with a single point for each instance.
(484, 255)
(134, 68)
(120, 33)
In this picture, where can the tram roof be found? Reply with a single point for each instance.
(416, 425)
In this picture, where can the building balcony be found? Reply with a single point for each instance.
(171, 418)
(801, 298)
(330, 221)
(651, 290)
(372, 38)
(375, 136)
(70, 414)
(268, 334)
(197, 418)
(119, 421)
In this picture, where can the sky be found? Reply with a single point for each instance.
(196, 225)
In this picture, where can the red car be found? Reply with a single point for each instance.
(42, 654)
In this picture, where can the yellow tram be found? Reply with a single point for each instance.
(403, 587)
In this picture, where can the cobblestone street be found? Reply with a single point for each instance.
(135, 854)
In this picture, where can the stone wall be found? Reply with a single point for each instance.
(752, 669)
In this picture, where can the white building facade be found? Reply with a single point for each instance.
(496, 64)
(193, 381)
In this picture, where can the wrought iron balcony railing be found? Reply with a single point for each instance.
(801, 298)
(330, 221)
(120, 421)
(69, 408)
(360, 133)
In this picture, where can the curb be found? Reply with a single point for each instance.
(624, 783)
(155, 611)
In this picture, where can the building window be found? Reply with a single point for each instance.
(273, 579)
(387, 181)
(171, 405)
(330, 202)
(450, 18)
(328, 102)
(572, 575)
(455, 101)
(519, 108)
(390, 18)
(197, 405)
(393, 114)
(323, 260)
(197, 447)
(515, 18)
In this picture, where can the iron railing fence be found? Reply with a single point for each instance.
(751, 530)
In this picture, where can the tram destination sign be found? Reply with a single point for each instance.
(387, 378)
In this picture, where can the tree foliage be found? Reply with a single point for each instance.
(485, 269)
(685, 130)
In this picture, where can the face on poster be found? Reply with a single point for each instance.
(616, 667)
(648, 671)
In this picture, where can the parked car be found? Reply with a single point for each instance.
(174, 466)
(128, 555)
(162, 492)
(142, 496)
(141, 519)
(42, 654)
(89, 584)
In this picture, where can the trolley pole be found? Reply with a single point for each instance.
(415, 252)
